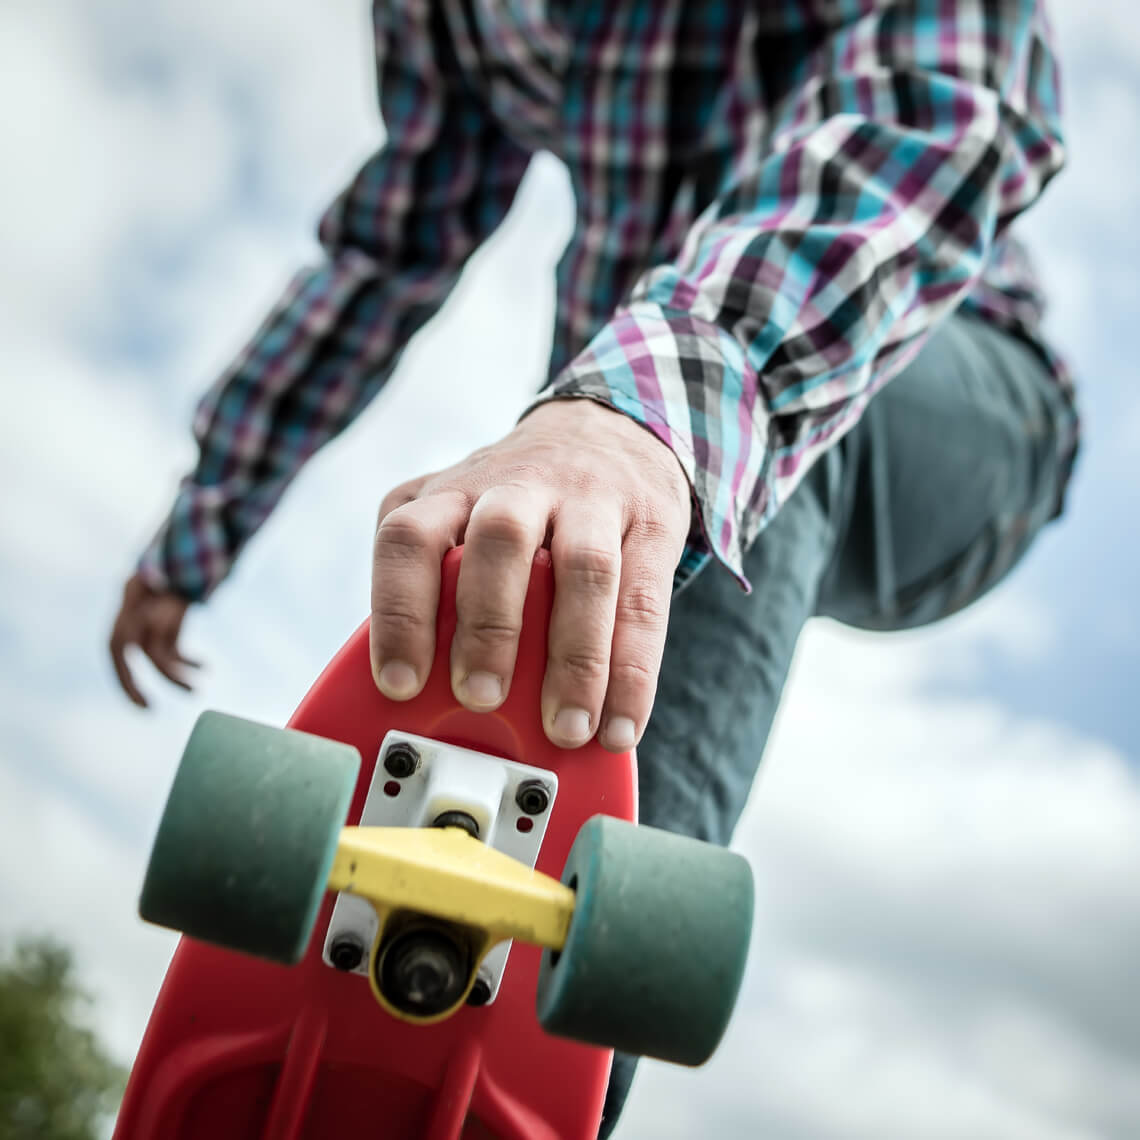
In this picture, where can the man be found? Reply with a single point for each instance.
(794, 336)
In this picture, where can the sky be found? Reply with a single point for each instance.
(946, 831)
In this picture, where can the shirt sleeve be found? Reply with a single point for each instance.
(394, 243)
(913, 134)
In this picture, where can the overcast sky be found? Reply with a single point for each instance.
(947, 861)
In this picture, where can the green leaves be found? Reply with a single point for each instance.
(56, 1080)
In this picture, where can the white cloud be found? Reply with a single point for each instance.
(310, 71)
(1098, 34)
(946, 908)
(88, 165)
(1079, 233)
(110, 170)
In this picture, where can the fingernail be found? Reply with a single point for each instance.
(397, 680)
(482, 689)
(621, 734)
(572, 725)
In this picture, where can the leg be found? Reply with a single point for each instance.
(953, 473)
(923, 507)
(726, 658)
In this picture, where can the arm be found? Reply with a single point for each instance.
(395, 242)
(907, 141)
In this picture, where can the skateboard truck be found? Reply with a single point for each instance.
(446, 846)
(647, 932)
(441, 899)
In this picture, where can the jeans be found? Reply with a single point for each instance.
(920, 509)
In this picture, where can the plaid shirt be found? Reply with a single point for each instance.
(777, 202)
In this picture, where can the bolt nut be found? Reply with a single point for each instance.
(346, 952)
(401, 760)
(533, 797)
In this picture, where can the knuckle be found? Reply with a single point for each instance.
(641, 604)
(583, 664)
(403, 495)
(632, 680)
(402, 534)
(387, 505)
(650, 528)
(594, 568)
(395, 624)
(499, 523)
(489, 632)
(631, 673)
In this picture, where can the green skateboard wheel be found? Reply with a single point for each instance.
(656, 949)
(247, 839)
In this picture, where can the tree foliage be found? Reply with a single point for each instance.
(56, 1080)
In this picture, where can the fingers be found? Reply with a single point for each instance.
(640, 625)
(607, 629)
(152, 621)
(506, 528)
(400, 496)
(165, 614)
(612, 584)
(125, 632)
(411, 541)
(586, 556)
(166, 659)
(189, 662)
(119, 642)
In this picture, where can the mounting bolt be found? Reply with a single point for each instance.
(401, 759)
(533, 797)
(346, 952)
(480, 992)
(457, 819)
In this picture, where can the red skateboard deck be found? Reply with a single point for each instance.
(242, 1049)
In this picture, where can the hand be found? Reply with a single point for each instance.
(611, 502)
(152, 620)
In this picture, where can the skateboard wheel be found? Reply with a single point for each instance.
(247, 838)
(656, 948)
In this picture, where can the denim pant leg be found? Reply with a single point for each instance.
(919, 510)
(958, 465)
(727, 655)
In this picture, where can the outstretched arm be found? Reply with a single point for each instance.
(395, 242)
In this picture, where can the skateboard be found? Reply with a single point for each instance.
(409, 920)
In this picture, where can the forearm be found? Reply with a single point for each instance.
(395, 242)
(327, 348)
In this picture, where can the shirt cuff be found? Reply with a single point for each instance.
(686, 380)
(190, 554)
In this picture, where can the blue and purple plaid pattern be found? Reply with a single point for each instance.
(777, 201)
